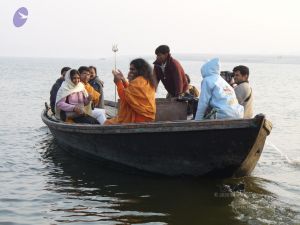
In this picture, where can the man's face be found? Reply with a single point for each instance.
(92, 73)
(85, 76)
(132, 73)
(239, 78)
(161, 58)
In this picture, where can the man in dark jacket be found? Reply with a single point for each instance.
(169, 71)
(56, 86)
(97, 84)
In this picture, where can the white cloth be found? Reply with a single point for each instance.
(163, 67)
(99, 115)
(217, 93)
(245, 97)
(68, 87)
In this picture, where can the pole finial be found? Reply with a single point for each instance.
(115, 48)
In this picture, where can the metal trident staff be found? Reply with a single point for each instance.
(115, 49)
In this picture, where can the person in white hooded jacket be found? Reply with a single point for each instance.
(217, 94)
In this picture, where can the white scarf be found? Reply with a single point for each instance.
(68, 87)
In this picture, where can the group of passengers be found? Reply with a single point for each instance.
(77, 96)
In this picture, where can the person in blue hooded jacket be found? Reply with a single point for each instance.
(217, 95)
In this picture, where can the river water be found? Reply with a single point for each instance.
(41, 184)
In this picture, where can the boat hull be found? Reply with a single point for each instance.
(222, 148)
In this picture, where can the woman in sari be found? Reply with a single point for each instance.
(72, 100)
(137, 96)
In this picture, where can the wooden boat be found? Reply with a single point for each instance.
(223, 148)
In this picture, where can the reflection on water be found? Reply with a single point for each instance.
(84, 191)
(90, 193)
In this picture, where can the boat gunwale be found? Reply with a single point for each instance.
(160, 126)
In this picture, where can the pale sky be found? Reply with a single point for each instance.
(69, 28)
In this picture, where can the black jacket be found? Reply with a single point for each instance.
(53, 93)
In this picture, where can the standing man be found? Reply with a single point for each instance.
(56, 86)
(169, 71)
(243, 90)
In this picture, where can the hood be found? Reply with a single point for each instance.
(211, 68)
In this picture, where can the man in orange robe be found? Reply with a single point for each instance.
(137, 98)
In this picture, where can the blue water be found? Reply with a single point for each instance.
(41, 184)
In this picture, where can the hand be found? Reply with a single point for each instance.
(118, 75)
(78, 110)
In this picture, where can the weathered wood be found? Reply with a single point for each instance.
(110, 111)
(194, 148)
(170, 110)
(166, 109)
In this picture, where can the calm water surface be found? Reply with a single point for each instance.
(41, 184)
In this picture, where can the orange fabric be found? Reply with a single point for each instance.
(69, 120)
(93, 92)
(137, 102)
(193, 91)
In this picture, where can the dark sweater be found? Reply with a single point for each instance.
(173, 79)
(53, 93)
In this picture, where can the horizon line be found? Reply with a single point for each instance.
(148, 55)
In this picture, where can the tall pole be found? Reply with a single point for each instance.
(115, 49)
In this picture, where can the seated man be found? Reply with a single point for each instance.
(217, 94)
(97, 84)
(169, 71)
(56, 86)
(137, 98)
(243, 90)
(97, 113)
(192, 103)
(192, 89)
